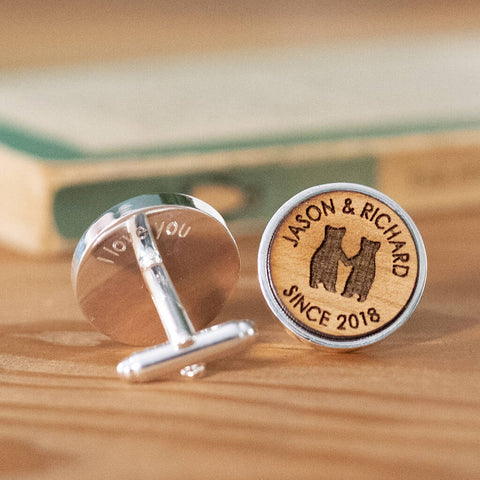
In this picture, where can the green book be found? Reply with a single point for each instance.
(243, 131)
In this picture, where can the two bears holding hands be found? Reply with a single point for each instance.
(324, 264)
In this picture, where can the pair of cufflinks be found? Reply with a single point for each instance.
(340, 265)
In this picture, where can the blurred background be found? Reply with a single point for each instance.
(242, 104)
(55, 32)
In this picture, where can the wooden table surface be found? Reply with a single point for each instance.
(407, 407)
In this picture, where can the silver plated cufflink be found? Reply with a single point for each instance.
(342, 265)
(155, 270)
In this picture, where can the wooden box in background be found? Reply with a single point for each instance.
(244, 131)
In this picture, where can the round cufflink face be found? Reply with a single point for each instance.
(342, 265)
(197, 249)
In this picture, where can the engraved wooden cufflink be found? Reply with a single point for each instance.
(342, 265)
(155, 268)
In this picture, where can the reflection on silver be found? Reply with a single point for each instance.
(203, 263)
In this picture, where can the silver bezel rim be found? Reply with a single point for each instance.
(271, 298)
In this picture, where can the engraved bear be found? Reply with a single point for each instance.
(362, 274)
(324, 262)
